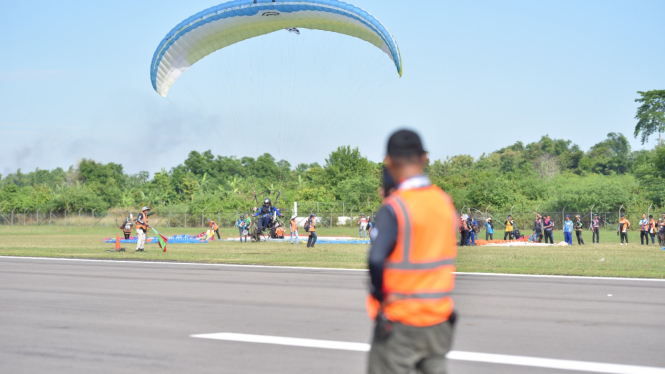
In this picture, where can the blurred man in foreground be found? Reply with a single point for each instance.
(411, 265)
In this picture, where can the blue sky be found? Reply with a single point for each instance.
(478, 76)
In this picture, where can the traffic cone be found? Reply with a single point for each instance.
(117, 242)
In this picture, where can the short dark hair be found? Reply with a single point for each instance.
(405, 144)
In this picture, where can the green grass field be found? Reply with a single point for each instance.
(606, 259)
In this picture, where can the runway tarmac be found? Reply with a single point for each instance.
(68, 316)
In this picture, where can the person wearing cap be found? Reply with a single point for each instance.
(489, 229)
(644, 229)
(241, 224)
(579, 227)
(568, 230)
(293, 227)
(142, 225)
(248, 224)
(266, 213)
(624, 225)
(595, 227)
(411, 267)
(510, 228)
(311, 240)
(362, 227)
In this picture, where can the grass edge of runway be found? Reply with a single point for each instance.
(600, 260)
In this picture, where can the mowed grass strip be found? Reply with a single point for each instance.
(607, 259)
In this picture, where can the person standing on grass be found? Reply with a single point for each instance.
(411, 268)
(510, 228)
(644, 229)
(568, 230)
(489, 230)
(624, 225)
(464, 231)
(362, 227)
(548, 229)
(312, 231)
(293, 227)
(248, 225)
(240, 224)
(595, 227)
(579, 227)
(660, 231)
(141, 229)
(473, 227)
(537, 228)
(652, 229)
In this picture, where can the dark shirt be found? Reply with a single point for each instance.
(538, 226)
(382, 246)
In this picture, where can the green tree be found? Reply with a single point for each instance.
(650, 115)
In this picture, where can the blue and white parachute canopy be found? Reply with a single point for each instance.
(229, 23)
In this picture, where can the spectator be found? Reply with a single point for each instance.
(489, 230)
(568, 230)
(240, 224)
(362, 227)
(537, 228)
(293, 226)
(579, 227)
(548, 228)
(312, 231)
(595, 227)
(370, 224)
(464, 230)
(661, 229)
(510, 228)
(624, 225)
(473, 229)
(652, 229)
(644, 229)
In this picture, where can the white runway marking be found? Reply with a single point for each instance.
(546, 363)
(313, 268)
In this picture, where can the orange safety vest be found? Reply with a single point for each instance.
(419, 274)
(294, 226)
(143, 226)
(214, 226)
(652, 225)
(312, 225)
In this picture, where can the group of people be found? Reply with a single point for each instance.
(365, 225)
(310, 228)
(650, 228)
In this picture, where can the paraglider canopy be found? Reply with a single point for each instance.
(229, 23)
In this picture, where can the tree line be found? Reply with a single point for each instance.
(549, 173)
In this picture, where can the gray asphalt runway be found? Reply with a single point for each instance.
(113, 317)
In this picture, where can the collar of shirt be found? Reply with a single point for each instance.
(419, 181)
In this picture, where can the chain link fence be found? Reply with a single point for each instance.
(327, 214)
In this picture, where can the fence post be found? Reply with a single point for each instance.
(185, 217)
(317, 207)
(66, 216)
(93, 217)
(343, 209)
(24, 216)
(168, 224)
(38, 216)
(331, 216)
(50, 216)
(219, 218)
(80, 216)
(13, 217)
(350, 217)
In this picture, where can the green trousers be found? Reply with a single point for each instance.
(409, 348)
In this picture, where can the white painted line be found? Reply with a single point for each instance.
(314, 268)
(175, 263)
(547, 363)
(279, 340)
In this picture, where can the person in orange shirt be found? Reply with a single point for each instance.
(311, 229)
(653, 229)
(293, 227)
(411, 267)
(624, 225)
(214, 227)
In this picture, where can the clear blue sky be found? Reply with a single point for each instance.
(478, 76)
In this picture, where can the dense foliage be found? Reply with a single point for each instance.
(550, 173)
